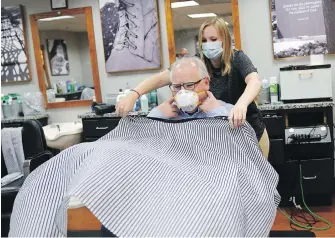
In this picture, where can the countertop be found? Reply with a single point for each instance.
(93, 115)
(288, 106)
(266, 107)
(21, 119)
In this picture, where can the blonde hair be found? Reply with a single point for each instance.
(223, 33)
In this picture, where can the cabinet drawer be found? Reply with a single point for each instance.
(99, 127)
(317, 175)
(276, 153)
(275, 125)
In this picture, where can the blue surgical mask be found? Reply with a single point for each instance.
(212, 50)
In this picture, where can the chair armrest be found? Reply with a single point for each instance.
(33, 162)
(26, 168)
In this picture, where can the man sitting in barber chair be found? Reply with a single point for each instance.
(191, 99)
(191, 96)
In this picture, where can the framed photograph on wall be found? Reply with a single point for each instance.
(58, 57)
(131, 35)
(59, 4)
(302, 27)
(14, 51)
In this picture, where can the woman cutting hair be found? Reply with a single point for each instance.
(233, 79)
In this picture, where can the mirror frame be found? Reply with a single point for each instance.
(92, 47)
(170, 29)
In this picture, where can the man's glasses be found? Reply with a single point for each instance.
(186, 86)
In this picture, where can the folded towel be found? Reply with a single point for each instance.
(9, 178)
(12, 149)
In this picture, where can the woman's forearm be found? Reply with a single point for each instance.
(157, 81)
(252, 90)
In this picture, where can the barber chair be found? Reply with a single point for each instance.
(35, 153)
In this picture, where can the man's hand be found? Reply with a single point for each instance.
(168, 109)
(210, 103)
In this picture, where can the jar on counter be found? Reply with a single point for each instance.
(264, 95)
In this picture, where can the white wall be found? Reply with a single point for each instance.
(256, 37)
(73, 52)
(110, 83)
(85, 59)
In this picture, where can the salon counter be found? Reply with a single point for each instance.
(18, 121)
(290, 106)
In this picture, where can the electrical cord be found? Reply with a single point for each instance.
(300, 213)
(310, 226)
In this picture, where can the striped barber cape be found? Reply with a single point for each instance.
(155, 178)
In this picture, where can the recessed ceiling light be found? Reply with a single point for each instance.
(184, 4)
(56, 18)
(201, 15)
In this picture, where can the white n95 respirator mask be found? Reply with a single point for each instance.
(187, 100)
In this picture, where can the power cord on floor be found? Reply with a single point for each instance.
(309, 226)
(301, 216)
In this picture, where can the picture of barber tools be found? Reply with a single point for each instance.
(131, 35)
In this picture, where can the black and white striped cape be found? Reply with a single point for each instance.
(156, 179)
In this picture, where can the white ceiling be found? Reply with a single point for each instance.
(77, 24)
(181, 21)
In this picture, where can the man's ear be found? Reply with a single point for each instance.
(206, 80)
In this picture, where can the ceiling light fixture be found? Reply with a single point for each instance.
(184, 4)
(201, 15)
(56, 18)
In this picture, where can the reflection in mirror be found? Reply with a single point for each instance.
(188, 19)
(46, 73)
(66, 58)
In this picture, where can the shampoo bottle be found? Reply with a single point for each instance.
(144, 103)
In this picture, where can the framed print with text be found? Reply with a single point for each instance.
(302, 27)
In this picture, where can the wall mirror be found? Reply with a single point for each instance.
(65, 56)
(183, 23)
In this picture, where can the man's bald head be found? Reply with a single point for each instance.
(188, 70)
(183, 52)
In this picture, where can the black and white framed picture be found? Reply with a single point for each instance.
(302, 27)
(59, 4)
(58, 57)
(131, 35)
(14, 53)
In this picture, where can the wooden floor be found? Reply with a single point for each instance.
(82, 219)
(328, 213)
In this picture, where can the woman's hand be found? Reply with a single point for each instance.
(237, 115)
(126, 104)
